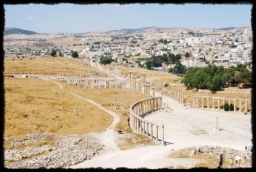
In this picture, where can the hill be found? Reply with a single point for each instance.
(8, 31)
(226, 28)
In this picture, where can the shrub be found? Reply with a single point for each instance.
(231, 107)
(166, 85)
(226, 107)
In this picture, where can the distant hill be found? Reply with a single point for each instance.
(8, 31)
(225, 28)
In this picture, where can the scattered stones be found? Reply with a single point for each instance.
(70, 150)
(225, 156)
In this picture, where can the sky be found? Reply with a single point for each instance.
(72, 18)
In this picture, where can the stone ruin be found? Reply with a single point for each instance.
(68, 150)
(227, 157)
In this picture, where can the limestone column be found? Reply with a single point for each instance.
(202, 102)
(193, 102)
(147, 130)
(144, 132)
(163, 135)
(140, 108)
(153, 92)
(197, 99)
(151, 131)
(161, 103)
(156, 133)
(138, 125)
(229, 102)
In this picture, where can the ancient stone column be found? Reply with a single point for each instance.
(193, 102)
(134, 124)
(151, 131)
(138, 125)
(163, 135)
(153, 92)
(197, 99)
(161, 104)
(156, 133)
(144, 132)
(229, 102)
(202, 102)
(147, 130)
(143, 78)
(140, 108)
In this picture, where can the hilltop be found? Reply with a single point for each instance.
(8, 31)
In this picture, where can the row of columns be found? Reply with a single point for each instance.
(144, 107)
(141, 126)
(210, 103)
(89, 82)
(80, 73)
(177, 95)
(32, 72)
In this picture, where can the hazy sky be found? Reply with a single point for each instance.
(82, 18)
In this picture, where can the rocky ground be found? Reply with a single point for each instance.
(67, 150)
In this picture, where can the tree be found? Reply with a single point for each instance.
(148, 64)
(210, 77)
(60, 54)
(226, 107)
(187, 54)
(53, 53)
(105, 60)
(74, 54)
(231, 107)
(179, 68)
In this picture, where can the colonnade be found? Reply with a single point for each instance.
(177, 95)
(89, 82)
(141, 126)
(79, 74)
(19, 71)
(209, 103)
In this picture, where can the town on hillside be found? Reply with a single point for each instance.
(135, 47)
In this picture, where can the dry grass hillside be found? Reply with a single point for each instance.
(116, 100)
(49, 65)
(161, 77)
(33, 106)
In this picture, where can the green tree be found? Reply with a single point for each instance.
(231, 107)
(105, 60)
(210, 77)
(74, 54)
(60, 54)
(226, 107)
(187, 54)
(149, 64)
(53, 53)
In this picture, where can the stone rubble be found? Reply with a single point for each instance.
(69, 151)
(232, 157)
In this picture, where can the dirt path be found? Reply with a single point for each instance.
(108, 137)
